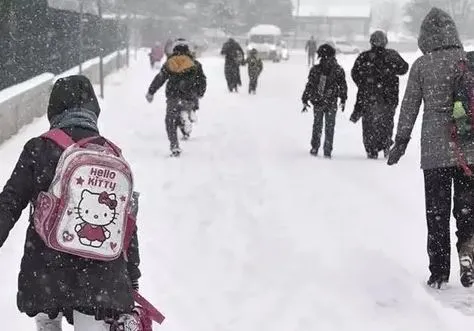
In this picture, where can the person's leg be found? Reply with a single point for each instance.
(330, 123)
(368, 135)
(88, 323)
(317, 131)
(172, 121)
(464, 215)
(44, 323)
(185, 122)
(438, 183)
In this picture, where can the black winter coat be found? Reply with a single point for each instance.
(50, 281)
(333, 88)
(234, 55)
(375, 73)
(186, 79)
(255, 67)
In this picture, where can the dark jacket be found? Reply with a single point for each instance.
(233, 52)
(431, 81)
(335, 86)
(186, 79)
(50, 281)
(375, 73)
(234, 55)
(255, 66)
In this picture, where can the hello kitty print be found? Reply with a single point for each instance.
(96, 212)
(86, 210)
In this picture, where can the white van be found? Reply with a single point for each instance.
(266, 39)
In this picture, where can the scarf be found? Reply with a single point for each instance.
(75, 118)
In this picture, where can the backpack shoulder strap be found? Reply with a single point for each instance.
(60, 137)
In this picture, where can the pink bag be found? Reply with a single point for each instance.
(86, 210)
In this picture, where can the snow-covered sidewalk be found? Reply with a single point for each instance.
(246, 231)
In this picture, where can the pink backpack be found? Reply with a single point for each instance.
(86, 211)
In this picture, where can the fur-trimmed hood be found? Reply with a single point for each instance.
(179, 64)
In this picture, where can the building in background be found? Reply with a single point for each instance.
(349, 22)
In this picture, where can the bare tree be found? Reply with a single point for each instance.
(386, 15)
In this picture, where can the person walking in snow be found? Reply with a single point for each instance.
(326, 84)
(375, 73)
(156, 54)
(432, 81)
(186, 85)
(311, 48)
(234, 56)
(255, 68)
(52, 283)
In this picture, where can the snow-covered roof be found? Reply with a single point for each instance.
(264, 29)
(351, 11)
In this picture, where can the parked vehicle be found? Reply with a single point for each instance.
(266, 39)
(345, 47)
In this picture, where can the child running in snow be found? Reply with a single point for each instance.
(255, 68)
(186, 85)
(54, 283)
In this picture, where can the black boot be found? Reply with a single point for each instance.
(466, 270)
(437, 281)
(373, 155)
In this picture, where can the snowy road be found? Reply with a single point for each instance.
(247, 232)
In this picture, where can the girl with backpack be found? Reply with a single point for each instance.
(447, 159)
(58, 275)
(326, 84)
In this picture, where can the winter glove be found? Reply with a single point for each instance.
(149, 97)
(398, 150)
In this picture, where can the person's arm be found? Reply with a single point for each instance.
(133, 263)
(308, 92)
(201, 81)
(408, 114)
(158, 81)
(411, 103)
(398, 64)
(356, 72)
(18, 190)
(342, 84)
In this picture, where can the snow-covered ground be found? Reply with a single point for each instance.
(248, 232)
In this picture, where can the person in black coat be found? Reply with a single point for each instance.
(326, 84)
(187, 83)
(375, 73)
(255, 68)
(311, 49)
(52, 283)
(234, 56)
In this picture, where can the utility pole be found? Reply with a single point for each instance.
(296, 18)
(101, 49)
(81, 32)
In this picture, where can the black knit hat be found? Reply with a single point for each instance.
(181, 46)
(378, 39)
(326, 51)
(72, 92)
